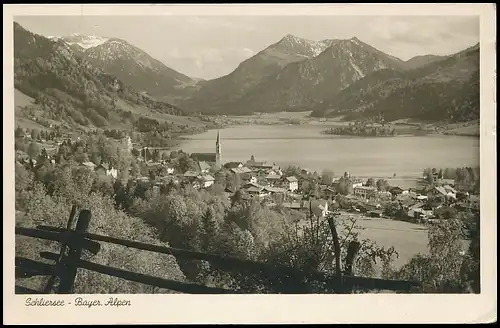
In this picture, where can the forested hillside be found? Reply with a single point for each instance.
(70, 89)
(446, 89)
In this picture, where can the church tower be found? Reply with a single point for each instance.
(217, 152)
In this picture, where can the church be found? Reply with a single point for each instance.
(213, 158)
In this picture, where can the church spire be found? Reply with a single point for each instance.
(217, 152)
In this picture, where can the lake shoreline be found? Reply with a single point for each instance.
(303, 146)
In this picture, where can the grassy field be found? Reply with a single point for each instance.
(408, 239)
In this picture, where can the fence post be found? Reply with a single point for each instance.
(352, 254)
(69, 274)
(336, 246)
(69, 226)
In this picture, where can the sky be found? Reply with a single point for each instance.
(212, 46)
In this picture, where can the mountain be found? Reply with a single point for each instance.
(420, 61)
(444, 89)
(68, 88)
(318, 70)
(219, 93)
(131, 65)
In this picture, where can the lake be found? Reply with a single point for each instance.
(303, 145)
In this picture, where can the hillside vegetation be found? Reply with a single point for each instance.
(446, 89)
(69, 89)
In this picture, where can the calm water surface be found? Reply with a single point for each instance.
(405, 156)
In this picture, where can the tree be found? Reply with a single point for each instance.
(429, 179)
(345, 186)
(392, 209)
(370, 182)
(19, 133)
(34, 134)
(136, 152)
(327, 177)
(382, 185)
(33, 150)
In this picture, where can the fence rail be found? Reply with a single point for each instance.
(74, 241)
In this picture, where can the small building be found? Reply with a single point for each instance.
(206, 180)
(274, 190)
(396, 191)
(191, 175)
(107, 170)
(450, 189)
(292, 205)
(170, 169)
(319, 208)
(241, 170)
(204, 167)
(375, 213)
(385, 195)
(357, 183)
(364, 192)
(88, 165)
(273, 178)
(437, 191)
(256, 191)
(293, 183)
(233, 165)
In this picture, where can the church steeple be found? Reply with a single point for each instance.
(217, 152)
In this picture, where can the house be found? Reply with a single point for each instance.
(277, 169)
(357, 183)
(233, 165)
(437, 191)
(417, 212)
(450, 189)
(396, 191)
(263, 166)
(88, 165)
(273, 190)
(330, 192)
(273, 178)
(364, 192)
(204, 167)
(252, 179)
(170, 169)
(318, 208)
(384, 195)
(206, 180)
(241, 170)
(293, 205)
(191, 175)
(256, 191)
(105, 169)
(293, 183)
(375, 213)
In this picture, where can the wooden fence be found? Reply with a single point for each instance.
(74, 241)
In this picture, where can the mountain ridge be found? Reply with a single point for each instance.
(302, 82)
(131, 64)
(444, 89)
(69, 88)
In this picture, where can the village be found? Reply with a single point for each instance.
(292, 187)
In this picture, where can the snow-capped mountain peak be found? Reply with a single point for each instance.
(82, 40)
